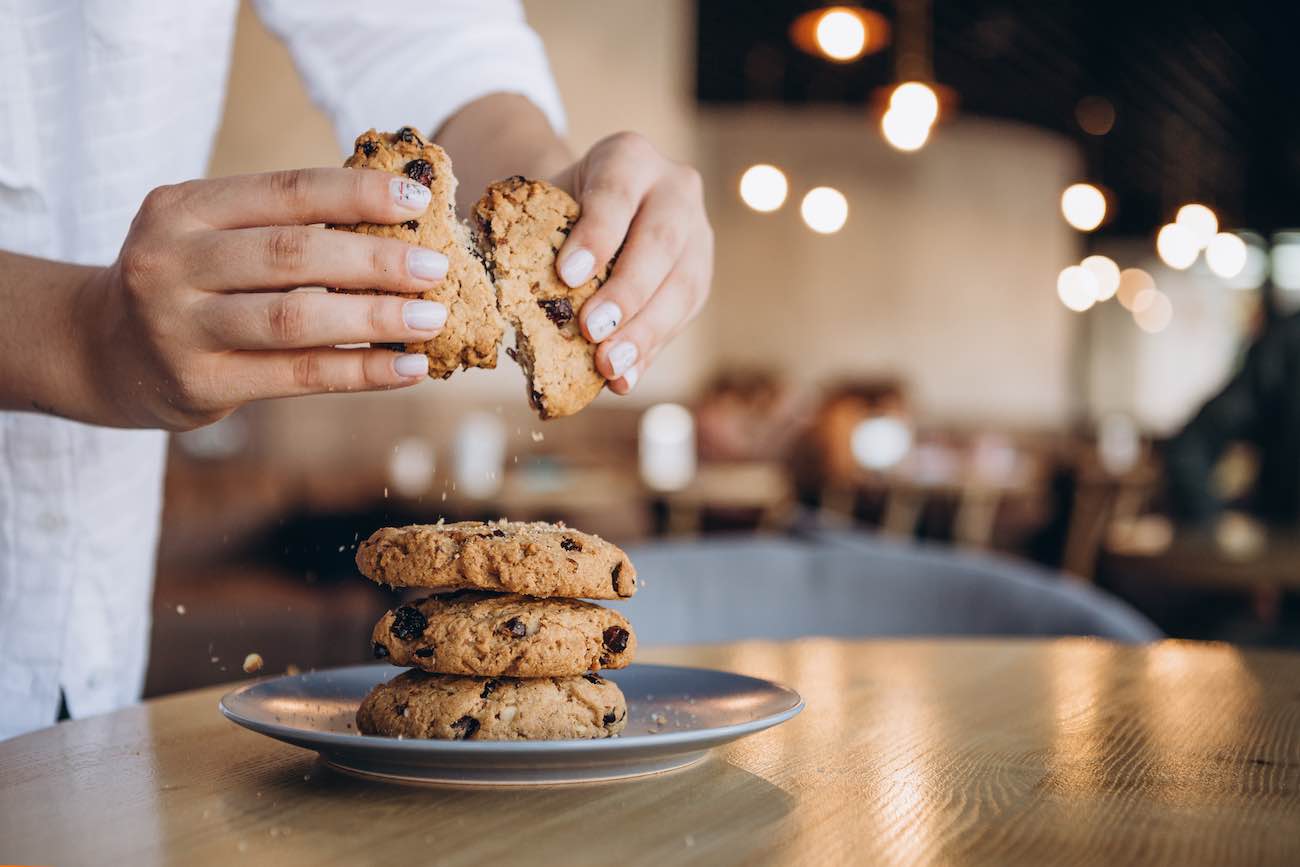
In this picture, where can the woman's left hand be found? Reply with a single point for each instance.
(653, 208)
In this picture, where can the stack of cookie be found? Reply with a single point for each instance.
(502, 651)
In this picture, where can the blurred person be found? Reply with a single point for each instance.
(1260, 406)
(139, 301)
(747, 416)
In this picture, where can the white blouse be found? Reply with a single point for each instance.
(100, 102)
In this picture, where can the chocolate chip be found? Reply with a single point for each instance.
(400, 709)
(516, 179)
(498, 532)
(558, 310)
(489, 688)
(609, 719)
(369, 147)
(569, 545)
(465, 727)
(515, 627)
(424, 652)
(514, 356)
(413, 225)
(420, 171)
(594, 678)
(616, 639)
(618, 569)
(408, 623)
(409, 136)
(566, 229)
(380, 651)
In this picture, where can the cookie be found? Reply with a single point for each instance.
(474, 328)
(521, 226)
(416, 704)
(473, 632)
(535, 559)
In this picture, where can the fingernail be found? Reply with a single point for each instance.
(603, 320)
(409, 194)
(426, 264)
(622, 357)
(630, 376)
(576, 267)
(411, 365)
(424, 315)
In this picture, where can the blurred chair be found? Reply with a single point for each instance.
(849, 584)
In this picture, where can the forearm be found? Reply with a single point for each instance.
(500, 135)
(42, 337)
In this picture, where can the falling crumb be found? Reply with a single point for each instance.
(242, 846)
(689, 840)
(538, 436)
(385, 492)
(215, 659)
(444, 496)
(180, 609)
(252, 663)
(306, 778)
(341, 548)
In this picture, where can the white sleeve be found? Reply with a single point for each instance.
(368, 68)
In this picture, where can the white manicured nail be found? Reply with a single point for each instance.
(409, 194)
(603, 320)
(630, 376)
(411, 365)
(426, 264)
(621, 357)
(576, 267)
(424, 315)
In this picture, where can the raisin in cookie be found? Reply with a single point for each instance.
(474, 327)
(521, 226)
(535, 559)
(416, 704)
(473, 632)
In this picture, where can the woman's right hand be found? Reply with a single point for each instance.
(195, 317)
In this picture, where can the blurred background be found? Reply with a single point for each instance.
(1006, 280)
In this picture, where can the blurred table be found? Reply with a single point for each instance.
(909, 752)
(1203, 559)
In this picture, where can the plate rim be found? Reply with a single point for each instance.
(329, 739)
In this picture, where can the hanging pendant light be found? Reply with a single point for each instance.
(840, 33)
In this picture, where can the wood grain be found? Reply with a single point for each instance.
(909, 752)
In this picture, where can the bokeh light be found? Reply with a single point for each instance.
(1077, 288)
(824, 210)
(1083, 206)
(881, 442)
(1200, 222)
(763, 187)
(1106, 272)
(1176, 246)
(1095, 114)
(915, 103)
(1285, 258)
(841, 35)
(902, 132)
(1152, 311)
(1132, 283)
(1226, 255)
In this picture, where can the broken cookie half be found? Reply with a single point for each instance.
(521, 226)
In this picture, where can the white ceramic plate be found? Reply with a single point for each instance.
(675, 716)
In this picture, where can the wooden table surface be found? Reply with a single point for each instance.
(999, 752)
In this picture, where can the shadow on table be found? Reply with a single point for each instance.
(309, 810)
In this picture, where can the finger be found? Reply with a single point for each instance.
(298, 320)
(654, 245)
(299, 197)
(316, 371)
(285, 257)
(669, 309)
(610, 197)
(625, 383)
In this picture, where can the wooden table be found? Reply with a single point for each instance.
(955, 752)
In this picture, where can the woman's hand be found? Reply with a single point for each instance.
(650, 210)
(194, 319)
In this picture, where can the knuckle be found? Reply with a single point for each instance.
(665, 234)
(160, 199)
(287, 319)
(690, 180)
(286, 249)
(140, 264)
(289, 186)
(632, 142)
(307, 371)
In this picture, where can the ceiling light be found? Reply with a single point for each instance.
(1200, 222)
(1077, 288)
(825, 210)
(1176, 246)
(840, 33)
(1106, 272)
(916, 102)
(1083, 206)
(763, 187)
(1226, 255)
(903, 133)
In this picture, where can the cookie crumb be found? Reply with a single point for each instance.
(538, 436)
(253, 663)
(180, 609)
